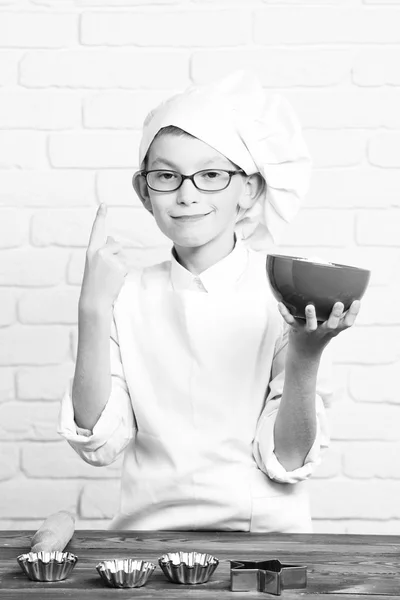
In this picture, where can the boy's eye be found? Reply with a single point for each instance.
(165, 175)
(211, 174)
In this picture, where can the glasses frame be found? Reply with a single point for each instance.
(191, 177)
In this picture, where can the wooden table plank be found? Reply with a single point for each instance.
(339, 566)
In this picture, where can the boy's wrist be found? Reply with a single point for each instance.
(88, 308)
(301, 353)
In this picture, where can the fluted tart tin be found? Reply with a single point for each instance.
(125, 572)
(188, 567)
(47, 566)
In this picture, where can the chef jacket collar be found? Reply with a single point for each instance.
(219, 277)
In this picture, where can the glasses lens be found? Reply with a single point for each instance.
(212, 180)
(163, 181)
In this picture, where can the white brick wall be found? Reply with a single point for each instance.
(77, 78)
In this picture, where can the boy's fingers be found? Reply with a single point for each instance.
(352, 313)
(288, 317)
(98, 233)
(311, 318)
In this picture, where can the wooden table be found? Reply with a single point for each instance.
(340, 567)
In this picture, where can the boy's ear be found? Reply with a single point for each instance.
(140, 186)
(254, 187)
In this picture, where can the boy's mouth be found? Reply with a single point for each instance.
(196, 217)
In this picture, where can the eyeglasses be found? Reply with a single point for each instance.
(207, 180)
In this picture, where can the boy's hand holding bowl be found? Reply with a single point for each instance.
(317, 299)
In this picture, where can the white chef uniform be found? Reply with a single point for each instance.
(197, 367)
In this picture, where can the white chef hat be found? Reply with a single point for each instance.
(259, 132)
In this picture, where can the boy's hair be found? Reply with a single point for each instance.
(169, 129)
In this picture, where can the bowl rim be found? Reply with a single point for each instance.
(314, 262)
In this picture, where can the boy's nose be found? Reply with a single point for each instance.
(187, 193)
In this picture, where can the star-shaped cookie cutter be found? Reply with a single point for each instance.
(268, 576)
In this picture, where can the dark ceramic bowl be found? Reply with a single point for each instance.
(300, 281)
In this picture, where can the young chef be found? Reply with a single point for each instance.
(213, 392)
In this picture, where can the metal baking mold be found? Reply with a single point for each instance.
(269, 576)
(188, 567)
(47, 566)
(125, 572)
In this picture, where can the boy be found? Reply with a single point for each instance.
(215, 394)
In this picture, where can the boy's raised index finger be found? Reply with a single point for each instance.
(98, 234)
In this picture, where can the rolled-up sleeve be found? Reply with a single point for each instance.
(116, 425)
(264, 442)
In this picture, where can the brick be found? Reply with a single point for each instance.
(20, 524)
(76, 267)
(44, 383)
(59, 460)
(378, 228)
(7, 384)
(384, 263)
(355, 499)
(362, 187)
(301, 2)
(79, 3)
(9, 461)
(114, 188)
(121, 109)
(93, 149)
(378, 307)
(377, 383)
(320, 228)
(100, 501)
(280, 67)
(223, 3)
(112, 68)
(330, 465)
(37, 30)
(372, 459)
(14, 228)
(9, 66)
(28, 499)
(29, 421)
(368, 527)
(383, 149)
(346, 108)
(54, 188)
(49, 306)
(340, 376)
(326, 25)
(27, 267)
(39, 110)
(8, 302)
(177, 28)
(38, 345)
(62, 227)
(22, 150)
(377, 66)
(336, 148)
(366, 422)
(74, 343)
(367, 345)
(325, 526)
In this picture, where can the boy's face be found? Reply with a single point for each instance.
(217, 210)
